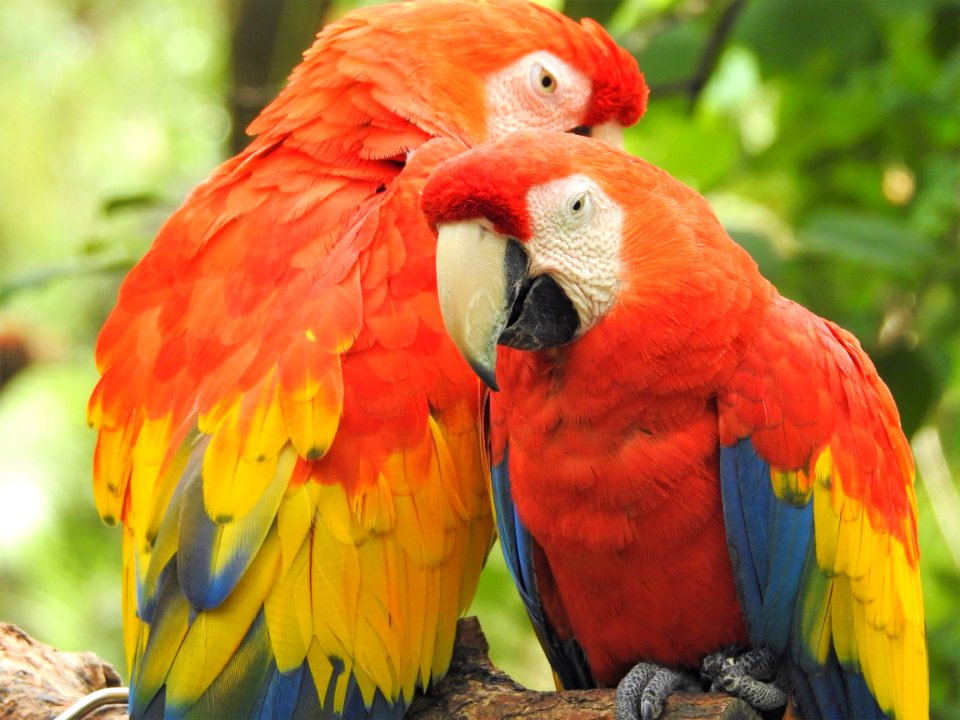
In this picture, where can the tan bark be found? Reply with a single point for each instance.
(38, 682)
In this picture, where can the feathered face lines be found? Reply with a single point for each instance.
(528, 251)
(537, 92)
(576, 231)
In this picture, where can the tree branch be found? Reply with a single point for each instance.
(693, 86)
(266, 41)
(475, 690)
(38, 682)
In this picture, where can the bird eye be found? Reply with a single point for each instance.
(578, 204)
(543, 80)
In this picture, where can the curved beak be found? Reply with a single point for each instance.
(488, 297)
(472, 287)
(611, 132)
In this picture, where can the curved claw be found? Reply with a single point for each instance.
(642, 692)
(741, 674)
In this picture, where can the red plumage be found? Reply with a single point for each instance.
(285, 431)
(703, 463)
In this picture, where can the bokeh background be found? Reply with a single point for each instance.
(826, 134)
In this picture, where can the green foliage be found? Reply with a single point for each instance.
(826, 135)
(110, 113)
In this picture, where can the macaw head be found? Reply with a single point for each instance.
(543, 237)
(465, 69)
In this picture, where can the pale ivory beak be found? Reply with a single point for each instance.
(471, 283)
(611, 132)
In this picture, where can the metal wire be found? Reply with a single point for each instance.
(94, 701)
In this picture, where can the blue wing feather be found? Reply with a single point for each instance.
(201, 574)
(748, 573)
(770, 540)
(519, 550)
(279, 697)
(862, 702)
(154, 710)
(840, 694)
(793, 529)
(509, 527)
(773, 552)
(212, 556)
(168, 608)
(236, 689)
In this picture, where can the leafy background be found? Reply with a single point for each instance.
(826, 134)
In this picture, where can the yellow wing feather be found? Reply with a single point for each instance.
(375, 578)
(874, 615)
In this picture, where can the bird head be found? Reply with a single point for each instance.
(541, 237)
(461, 68)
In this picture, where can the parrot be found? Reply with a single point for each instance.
(691, 473)
(285, 432)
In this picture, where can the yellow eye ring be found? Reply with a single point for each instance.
(543, 80)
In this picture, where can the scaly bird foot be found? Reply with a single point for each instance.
(742, 674)
(641, 694)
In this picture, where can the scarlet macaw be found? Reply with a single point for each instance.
(683, 460)
(285, 431)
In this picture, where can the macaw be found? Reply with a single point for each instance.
(286, 433)
(689, 470)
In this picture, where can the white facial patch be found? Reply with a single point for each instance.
(577, 229)
(537, 92)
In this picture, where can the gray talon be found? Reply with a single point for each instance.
(741, 674)
(641, 694)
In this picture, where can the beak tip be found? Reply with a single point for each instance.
(471, 292)
(486, 374)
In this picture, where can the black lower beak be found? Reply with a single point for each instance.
(541, 314)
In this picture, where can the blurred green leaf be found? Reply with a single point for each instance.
(913, 383)
(697, 152)
(761, 250)
(54, 273)
(946, 29)
(864, 238)
(513, 645)
(672, 56)
(794, 36)
(133, 201)
(599, 10)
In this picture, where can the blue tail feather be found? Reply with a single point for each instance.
(280, 695)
